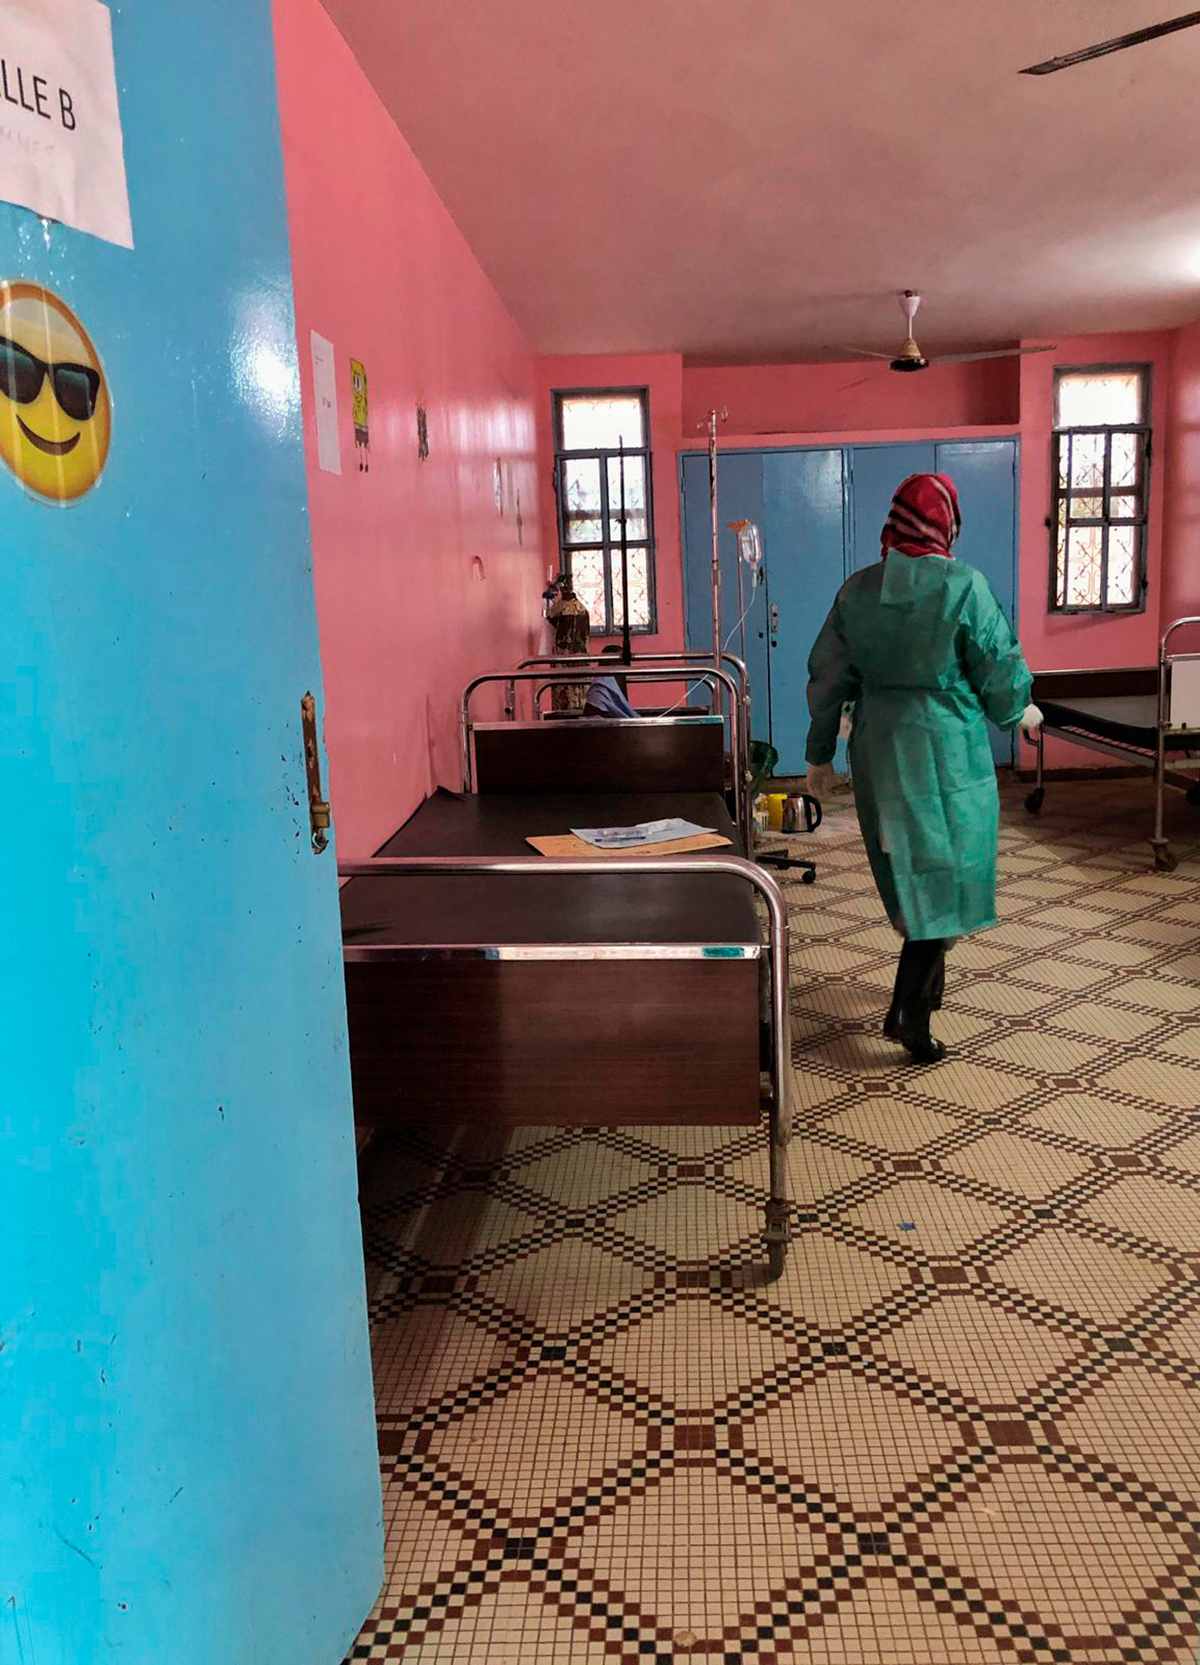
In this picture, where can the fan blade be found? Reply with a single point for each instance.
(999, 352)
(1137, 38)
(862, 352)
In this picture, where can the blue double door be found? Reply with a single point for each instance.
(820, 513)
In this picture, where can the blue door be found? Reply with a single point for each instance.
(739, 497)
(874, 472)
(985, 472)
(805, 543)
(190, 1470)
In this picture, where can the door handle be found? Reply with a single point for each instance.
(774, 625)
(318, 810)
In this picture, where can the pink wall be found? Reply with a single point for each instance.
(1181, 558)
(420, 582)
(851, 398)
(801, 404)
(793, 397)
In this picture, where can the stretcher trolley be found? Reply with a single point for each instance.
(1149, 715)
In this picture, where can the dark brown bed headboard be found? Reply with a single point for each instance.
(669, 754)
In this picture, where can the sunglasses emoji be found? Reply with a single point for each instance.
(55, 410)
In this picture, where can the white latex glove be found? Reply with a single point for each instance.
(822, 781)
(1031, 722)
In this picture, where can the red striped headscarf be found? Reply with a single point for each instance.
(925, 517)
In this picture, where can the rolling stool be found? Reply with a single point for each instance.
(798, 808)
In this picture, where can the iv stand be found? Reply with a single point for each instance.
(626, 649)
(715, 416)
(771, 858)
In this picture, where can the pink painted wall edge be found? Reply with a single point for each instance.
(422, 579)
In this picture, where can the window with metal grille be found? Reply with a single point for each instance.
(1101, 489)
(591, 425)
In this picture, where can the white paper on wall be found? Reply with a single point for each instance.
(61, 149)
(329, 450)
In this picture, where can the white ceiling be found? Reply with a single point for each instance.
(742, 179)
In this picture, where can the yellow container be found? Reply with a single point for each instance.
(775, 803)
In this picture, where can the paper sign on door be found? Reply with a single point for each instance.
(329, 450)
(60, 124)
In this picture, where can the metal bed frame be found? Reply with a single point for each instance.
(776, 1230)
(691, 656)
(1177, 718)
(743, 810)
(698, 657)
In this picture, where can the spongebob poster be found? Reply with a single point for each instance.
(362, 431)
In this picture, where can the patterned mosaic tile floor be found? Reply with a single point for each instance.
(965, 1425)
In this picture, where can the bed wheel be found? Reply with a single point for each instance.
(808, 877)
(776, 1259)
(1164, 861)
(1035, 800)
(1193, 794)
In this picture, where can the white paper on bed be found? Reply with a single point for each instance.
(644, 832)
(1185, 694)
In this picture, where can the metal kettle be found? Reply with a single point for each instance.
(801, 813)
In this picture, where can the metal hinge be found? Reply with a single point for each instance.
(319, 815)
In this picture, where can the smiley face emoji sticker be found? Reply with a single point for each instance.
(55, 410)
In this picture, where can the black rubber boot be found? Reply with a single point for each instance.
(904, 972)
(937, 989)
(891, 1023)
(920, 965)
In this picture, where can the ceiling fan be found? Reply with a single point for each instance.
(1137, 37)
(910, 357)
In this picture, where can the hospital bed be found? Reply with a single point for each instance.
(730, 684)
(736, 772)
(1148, 715)
(492, 986)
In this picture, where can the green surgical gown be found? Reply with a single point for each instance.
(923, 649)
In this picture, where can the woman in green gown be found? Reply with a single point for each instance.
(922, 648)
